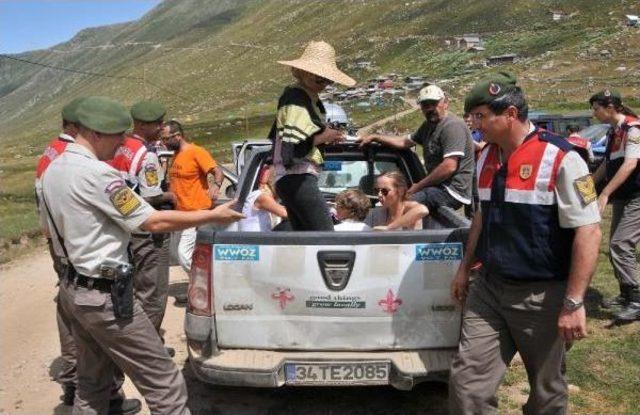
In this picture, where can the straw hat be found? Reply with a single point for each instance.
(319, 58)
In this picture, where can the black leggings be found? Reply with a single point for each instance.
(305, 205)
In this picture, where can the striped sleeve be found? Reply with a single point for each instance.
(294, 124)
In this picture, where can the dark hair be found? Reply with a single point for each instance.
(572, 128)
(355, 202)
(174, 127)
(512, 98)
(614, 101)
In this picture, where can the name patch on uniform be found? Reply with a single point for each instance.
(439, 252)
(151, 175)
(586, 189)
(124, 200)
(237, 253)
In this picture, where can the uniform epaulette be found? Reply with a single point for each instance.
(556, 140)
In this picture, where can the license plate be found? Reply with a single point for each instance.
(373, 373)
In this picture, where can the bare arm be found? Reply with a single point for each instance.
(395, 141)
(460, 283)
(268, 203)
(328, 135)
(413, 212)
(214, 180)
(162, 221)
(573, 324)
(442, 172)
(621, 175)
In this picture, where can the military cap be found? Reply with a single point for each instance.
(606, 95)
(69, 110)
(489, 89)
(148, 111)
(103, 115)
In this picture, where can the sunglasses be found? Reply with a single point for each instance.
(385, 192)
(321, 80)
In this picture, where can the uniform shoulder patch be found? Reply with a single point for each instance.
(151, 174)
(586, 189)
(122, 198)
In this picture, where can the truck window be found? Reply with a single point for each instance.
(339, 175)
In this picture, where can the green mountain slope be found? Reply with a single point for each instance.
(213, 63)
(206, 59)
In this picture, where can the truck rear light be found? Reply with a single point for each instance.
(201, 281)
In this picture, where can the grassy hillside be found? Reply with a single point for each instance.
(213, 63)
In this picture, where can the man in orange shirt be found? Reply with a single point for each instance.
(195, 179)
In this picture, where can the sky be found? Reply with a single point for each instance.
(38, 24)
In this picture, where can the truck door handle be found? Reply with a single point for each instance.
(336, 267)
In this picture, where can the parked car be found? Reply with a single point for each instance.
(327, 308)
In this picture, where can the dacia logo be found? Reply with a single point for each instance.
(237, 253)
(237, 307)
(439, 252)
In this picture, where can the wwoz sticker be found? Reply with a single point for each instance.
(439, 252)
(237, 253)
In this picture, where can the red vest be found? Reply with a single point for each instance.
(614, 156)
(521, 237)
(53, 150)
(129, 157)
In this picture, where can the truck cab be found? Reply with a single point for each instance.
(267, 309)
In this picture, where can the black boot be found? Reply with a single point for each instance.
(620, 300)
(69, 395)
(124, 406)
(631, 312)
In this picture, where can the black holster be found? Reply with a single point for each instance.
(122, 296)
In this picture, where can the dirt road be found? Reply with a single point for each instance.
(29, 350)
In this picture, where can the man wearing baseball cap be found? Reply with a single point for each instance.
(91, 213)
(537, 234)
(447, 150)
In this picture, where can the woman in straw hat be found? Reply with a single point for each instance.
(298, 131)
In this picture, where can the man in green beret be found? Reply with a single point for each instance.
(67, 375)
(92, 214)
(150, 251)
(537, 236)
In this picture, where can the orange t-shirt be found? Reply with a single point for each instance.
(188, 178)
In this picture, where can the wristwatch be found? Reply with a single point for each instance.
(570, 304)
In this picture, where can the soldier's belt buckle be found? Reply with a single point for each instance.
(90, 283)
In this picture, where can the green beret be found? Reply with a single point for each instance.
(69, 110)
(606, 95)
(103, 115)
(489, 89)
(148, 111)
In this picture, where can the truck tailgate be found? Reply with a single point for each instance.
(338, 291)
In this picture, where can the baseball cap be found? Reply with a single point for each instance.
(430, 93)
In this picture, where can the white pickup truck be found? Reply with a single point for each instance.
(326, 308)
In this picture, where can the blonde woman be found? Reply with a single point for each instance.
(395, 212)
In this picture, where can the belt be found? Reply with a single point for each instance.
(100, 284)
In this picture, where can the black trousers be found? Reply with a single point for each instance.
(307, 209)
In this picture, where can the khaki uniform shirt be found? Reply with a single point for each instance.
(92, 208)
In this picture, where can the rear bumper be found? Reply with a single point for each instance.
(265, 368)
